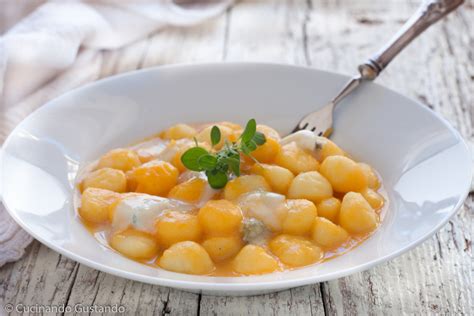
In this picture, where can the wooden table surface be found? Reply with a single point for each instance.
(437, 69)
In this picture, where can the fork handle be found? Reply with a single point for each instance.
(427, 14)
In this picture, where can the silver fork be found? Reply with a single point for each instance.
(321, 121)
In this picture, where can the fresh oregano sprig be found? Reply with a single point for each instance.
(220, 165)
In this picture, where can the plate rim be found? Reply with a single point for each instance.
(234, 287)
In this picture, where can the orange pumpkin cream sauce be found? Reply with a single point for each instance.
(302, 200)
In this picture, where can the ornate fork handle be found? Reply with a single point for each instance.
(320, 122)
(429, 13)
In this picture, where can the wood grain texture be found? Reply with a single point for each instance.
(437, 69)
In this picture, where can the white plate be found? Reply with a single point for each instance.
(425, 165)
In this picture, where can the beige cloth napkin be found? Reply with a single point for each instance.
(47, 42)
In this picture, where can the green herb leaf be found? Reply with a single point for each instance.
(217, 179)
(190, 158)
(234, 164)
(251, 145)
(207, 162)
(225, 162)
(249, 131)
(259, 138)
(215, 135)
(233, 152)
(244, 148)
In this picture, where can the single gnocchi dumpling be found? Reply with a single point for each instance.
(373, 181)
(328, 148)
(278, 178)
(179, 131)
(135, 244)
(300, 217)
(254, 260)
(267, 152)
(327, 234)
(190, 191)
(296, 159)
(356, 215)
(121, 159)
(220, 218)
(175, 226)
(155, 178)
(233, 126)
(187, 257)
(329, 209)
(344, 174)
(222, 248)
(226, 134)
(310, 186)
(295, 251)
(375, 200)
(268, 131)
(244, 184)
(96, 203)
(176, 160)
(107, 179)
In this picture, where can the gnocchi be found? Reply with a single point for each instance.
(277, 177)
(155, 177)
(311, 186)
(121, 159)
(254, 260)
(300, 217)
(96, 203)
(221, 248)
(179, 131)
(329, 209)
(295, 159)
(106, 178)
(268, 151)
(356, 215)
(220, 218)
(187, 257)
(227, 134)
(244, 184)
(294, 201)
(295, 251)
(134, 244)
(327, 234)
(190, 191)
(344, 174)
(174, 226)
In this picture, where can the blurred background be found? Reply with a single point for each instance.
(12, 11)
(330, 35)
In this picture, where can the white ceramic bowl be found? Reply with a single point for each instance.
(425, 165)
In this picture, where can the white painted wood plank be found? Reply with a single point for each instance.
(41, 277)
(304, 300)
